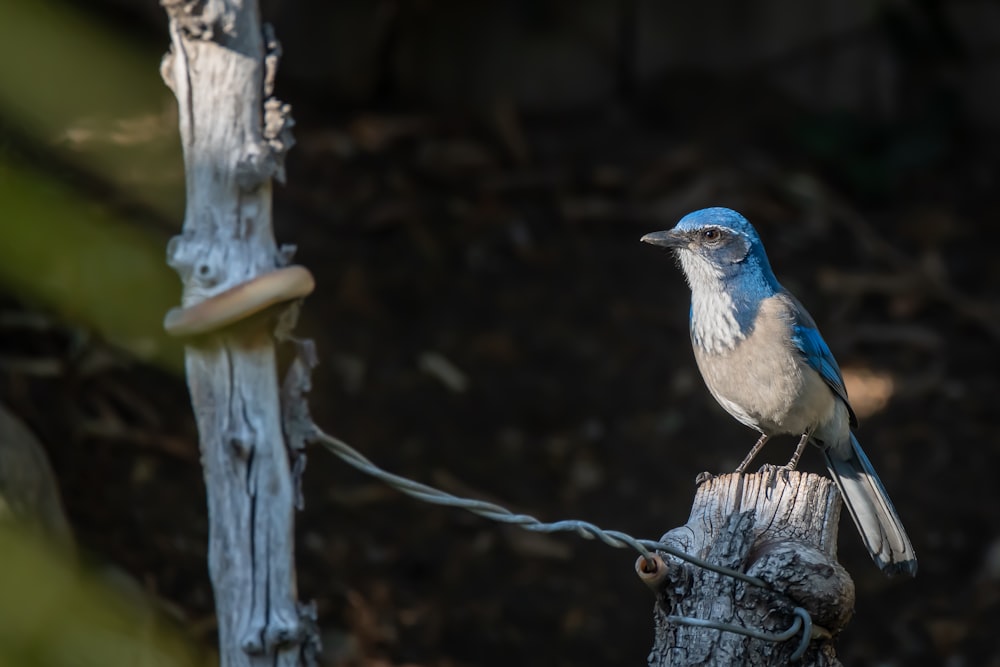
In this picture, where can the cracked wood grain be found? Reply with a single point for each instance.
(233, 146)
(776, 526)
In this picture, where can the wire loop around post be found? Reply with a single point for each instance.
(801, 623)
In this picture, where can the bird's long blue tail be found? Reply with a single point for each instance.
(872, 511)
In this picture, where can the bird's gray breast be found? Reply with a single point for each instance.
(762, 380)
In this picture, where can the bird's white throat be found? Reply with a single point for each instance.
(714, 327)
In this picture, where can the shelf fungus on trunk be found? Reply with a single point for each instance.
(240, 302)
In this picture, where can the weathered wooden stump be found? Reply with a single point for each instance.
(777, 526)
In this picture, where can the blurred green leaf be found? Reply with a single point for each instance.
(52, 615)
(75, 257)
(93, 95)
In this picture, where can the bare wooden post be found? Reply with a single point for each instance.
(234, 134)
(779, 528)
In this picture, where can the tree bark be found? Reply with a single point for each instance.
(221, 69)
(776, 526)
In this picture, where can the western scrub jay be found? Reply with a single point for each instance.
(766, 363)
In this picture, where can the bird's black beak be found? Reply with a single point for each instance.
(667, 239)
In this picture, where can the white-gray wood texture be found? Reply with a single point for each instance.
(779, 527)
(221, 69)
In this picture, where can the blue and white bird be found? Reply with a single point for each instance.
(766, 363)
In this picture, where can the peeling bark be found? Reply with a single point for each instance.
(234, 141)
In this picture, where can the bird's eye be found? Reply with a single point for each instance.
(711, 235)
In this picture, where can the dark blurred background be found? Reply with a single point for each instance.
(469, 187)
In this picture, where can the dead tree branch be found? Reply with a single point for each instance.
(221, 68)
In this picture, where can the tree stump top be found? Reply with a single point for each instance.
(777, 526)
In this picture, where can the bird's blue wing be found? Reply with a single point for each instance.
(816, 352)
(807, 339)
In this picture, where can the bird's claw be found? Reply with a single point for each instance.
(772, 472)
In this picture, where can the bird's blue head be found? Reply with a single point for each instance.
(718, 243)
(727, 269)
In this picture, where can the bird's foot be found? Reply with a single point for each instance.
(772, 473)
(794, 461)
(761, 441)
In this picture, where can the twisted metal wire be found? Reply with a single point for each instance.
(802, 621)
(613, 538)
